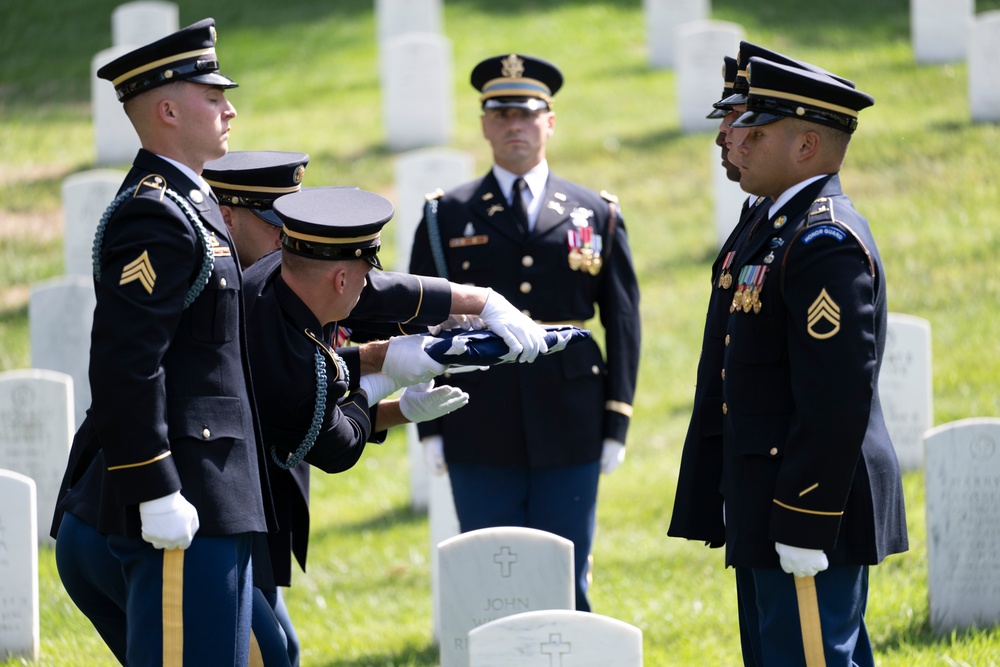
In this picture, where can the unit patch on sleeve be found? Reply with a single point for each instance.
(823, 318)
(824, 231)
(139, 269)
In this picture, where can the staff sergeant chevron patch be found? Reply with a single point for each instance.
(139, 269)
(823, 309)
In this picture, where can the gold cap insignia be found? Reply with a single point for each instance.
(512, 66)
(215, 35)
(299, 173)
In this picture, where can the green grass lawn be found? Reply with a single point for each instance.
(927, 179)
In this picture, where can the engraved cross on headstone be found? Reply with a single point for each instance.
(505, 559)
(555, 649)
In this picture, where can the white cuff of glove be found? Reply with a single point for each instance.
(377, 386)
(612, 455)
(169, 522)
(801, 562)
(525, 339)
(407, 363)
(423, 402)
(433, 446)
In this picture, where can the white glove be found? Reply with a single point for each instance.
(423, 402)
(801, 562)
(463, 322)
(407, 363)
(612, 455)
(377, 386)
(434, 454)
(524, 338)
(169, 522)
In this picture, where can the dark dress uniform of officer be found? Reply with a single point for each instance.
(171, 406)
(806, 459)
(552, 416)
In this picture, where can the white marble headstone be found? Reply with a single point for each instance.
(396, 17)
(494, 572)
(962, 503)
(701, 46)
(417, 105)
(939, 29)
(419, 172)
(60, 317)
(115, 140)
(555, 638)
(19, 619)
(905, 387)
(142, 22)
(85, 197)
(36, 431)
(443, 521)
(662, 20)
(727, 195)
(984, 76)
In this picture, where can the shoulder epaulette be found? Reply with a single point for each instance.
(154, 181)
(610, 197)
(821, 212)
(437, 194)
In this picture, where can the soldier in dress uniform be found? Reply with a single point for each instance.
(321, 402)
(530, 447)
(803, 488)
(246, 184)
(166, 473)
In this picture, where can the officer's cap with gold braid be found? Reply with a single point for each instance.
(516, 80)
(333, 223)
(750, 50)
(778, 91)
(254, 179)
(186, 55)
(729, 70)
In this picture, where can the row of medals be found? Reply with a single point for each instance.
(747, 296)
(584, 247)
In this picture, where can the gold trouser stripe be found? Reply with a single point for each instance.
(812, 633)
(256, 657)
(173, 608)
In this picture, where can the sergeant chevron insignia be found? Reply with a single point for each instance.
(823, 309)
(139, 269)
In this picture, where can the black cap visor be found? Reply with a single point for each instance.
(268, 216)
(731, 101)
(755, 118)
(212, 79)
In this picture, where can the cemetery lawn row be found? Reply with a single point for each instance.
(925, 177)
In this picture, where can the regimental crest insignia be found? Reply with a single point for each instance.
(139, 269)
(823, 317)
(512, 67)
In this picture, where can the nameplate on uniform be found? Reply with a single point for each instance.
(462, 241)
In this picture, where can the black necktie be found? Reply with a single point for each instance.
(519, 206)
